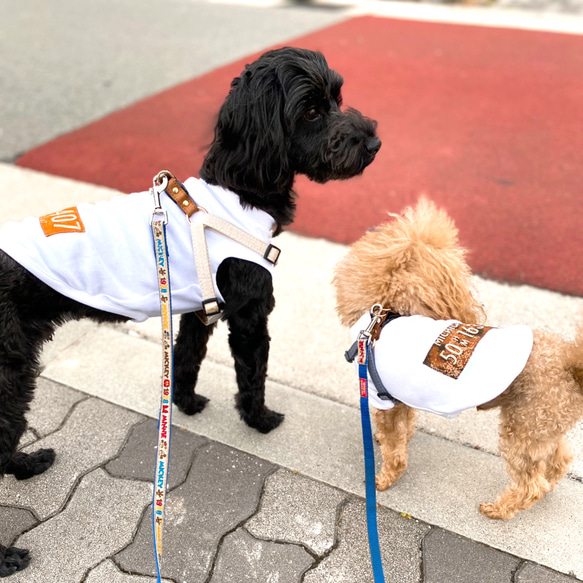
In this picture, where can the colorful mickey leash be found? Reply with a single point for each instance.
(364, 345)
(158, 223)
(165, 182)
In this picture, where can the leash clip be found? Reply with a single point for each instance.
(159, 186)
(371, 333)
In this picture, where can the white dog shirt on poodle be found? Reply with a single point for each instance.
(445, 366)
(102, 255)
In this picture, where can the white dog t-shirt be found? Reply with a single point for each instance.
(102, 255)
(445, 366)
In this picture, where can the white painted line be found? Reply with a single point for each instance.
(492, 16)
(473, 15)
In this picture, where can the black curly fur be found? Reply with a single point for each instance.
(282, 117)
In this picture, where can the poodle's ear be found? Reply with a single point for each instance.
(249, 152)
(435, 280)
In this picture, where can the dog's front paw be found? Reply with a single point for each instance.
(26, 465)
(264, 422)
(191, 404)
(383, 481)
(492, 510)
(12, 560)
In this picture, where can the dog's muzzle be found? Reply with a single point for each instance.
(373, 145)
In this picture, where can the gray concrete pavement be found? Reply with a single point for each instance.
(231, 517)
(65, 64)
(287, 506)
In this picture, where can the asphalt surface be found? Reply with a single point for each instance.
(284, 507)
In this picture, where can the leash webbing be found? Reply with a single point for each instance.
(159, 220)
(165, 182)
(364, 345)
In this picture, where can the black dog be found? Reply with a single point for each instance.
(282, 117)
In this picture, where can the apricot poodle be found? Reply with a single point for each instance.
(415, 268)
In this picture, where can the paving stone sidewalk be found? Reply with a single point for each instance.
(231, 516)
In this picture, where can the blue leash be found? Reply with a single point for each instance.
(364, 345)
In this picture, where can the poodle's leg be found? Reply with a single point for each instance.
(12, 560)
(395, 427)
(189, 352)
(559, 463)
(530, 465)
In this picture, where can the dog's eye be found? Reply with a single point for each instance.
(312, 114)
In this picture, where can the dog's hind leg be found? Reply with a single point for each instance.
(12, 427)
(530, 466)
(533, 445)
(12, 560)
(395, 428)
(189, 352)
(20, 346)
(16, 391)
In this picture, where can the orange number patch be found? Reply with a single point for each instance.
(65, 221)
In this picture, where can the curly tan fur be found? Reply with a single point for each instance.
(395, 261)
(415, 265)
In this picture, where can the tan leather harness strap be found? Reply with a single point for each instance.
(178, 194)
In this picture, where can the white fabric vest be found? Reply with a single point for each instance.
(110, 264)
(417, 359)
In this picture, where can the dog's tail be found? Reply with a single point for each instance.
(575, 357)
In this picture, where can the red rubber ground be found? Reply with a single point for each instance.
(488, 122)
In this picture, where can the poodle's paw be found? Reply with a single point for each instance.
(265, 422)
(390, 472)
(191, 404)
(12, 560)
(383, 481)
(26, 465)
(495, 511)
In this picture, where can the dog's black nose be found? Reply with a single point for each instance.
(373, 145)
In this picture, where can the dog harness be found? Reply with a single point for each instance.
(442, 366)
(101, 254)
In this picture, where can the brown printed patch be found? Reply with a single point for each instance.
(65, 221)
(453, 348)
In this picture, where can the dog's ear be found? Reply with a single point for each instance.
(414, 264)
(436, 271)
(249, 151)
(450, 295)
